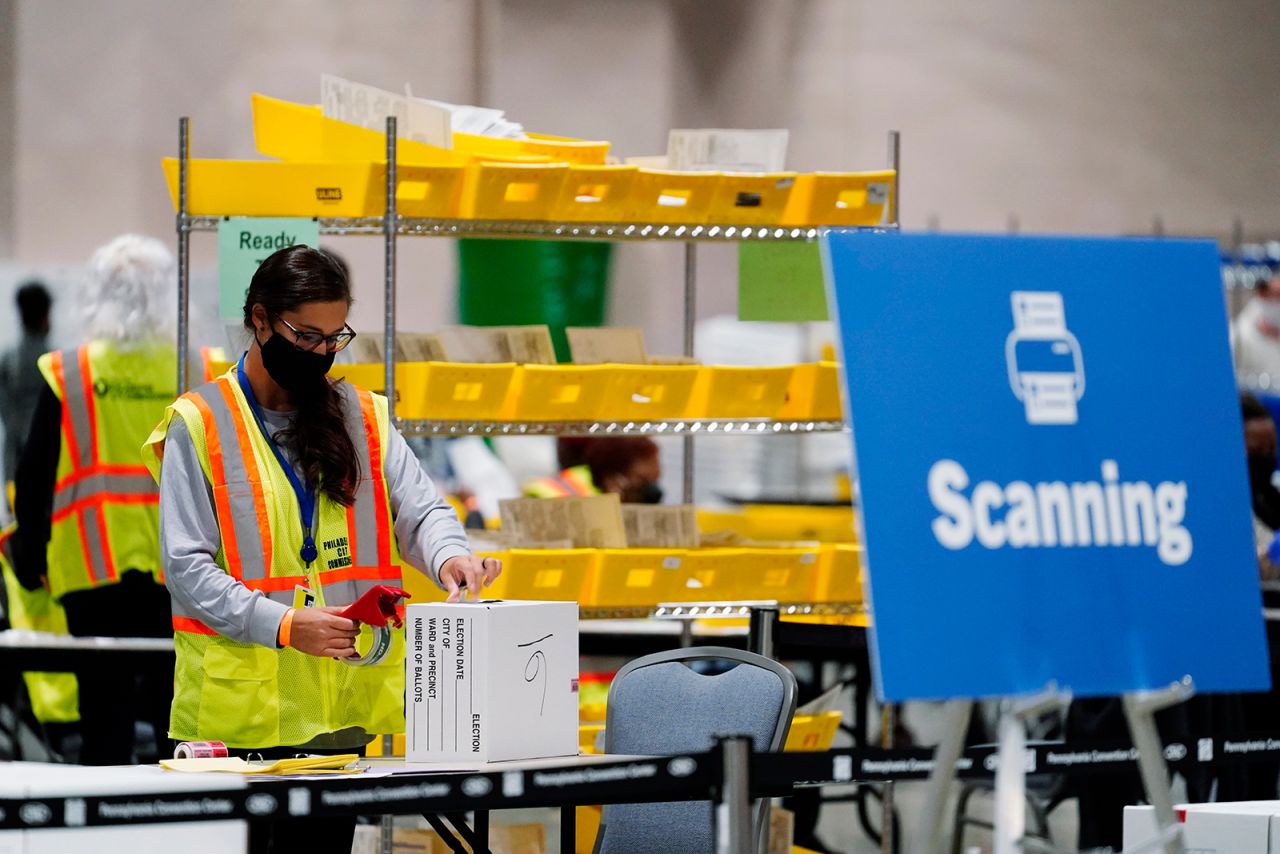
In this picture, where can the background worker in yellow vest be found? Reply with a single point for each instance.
(627, 465)
(284, 497)
(52, 695)
(88, 526)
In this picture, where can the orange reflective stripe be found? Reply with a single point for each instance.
(206, 358)
(107, 559)
(68, 429)
(246, 447)
(84, 544)
(96, 500)
(375, 475)
(195, 627)
(352, 539)
(105, 469)
(221, 502)
(276, 583)
(86, 382)
(360, 573)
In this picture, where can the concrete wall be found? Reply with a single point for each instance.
(1072, 116)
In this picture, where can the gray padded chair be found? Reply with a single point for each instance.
(658, 705)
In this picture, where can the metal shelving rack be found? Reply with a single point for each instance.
(392, 226)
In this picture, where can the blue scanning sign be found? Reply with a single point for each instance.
(1051, 465)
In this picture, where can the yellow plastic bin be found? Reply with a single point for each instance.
(713, 575)
(587, 152)
(558, 393)
(589, 735)
(501, 191)
(795, 523)
(636, 578)
(781, 574)
(813, 394)
(745, 198)
(370, 375)
(290, 131)
(813, 732)
(455, 391)
(839, 198)
(594, 194)
(429, 192)
(839, 577)
(724, 391)
(272, 188)
(548, 574)
(678, 197)
(648, 392)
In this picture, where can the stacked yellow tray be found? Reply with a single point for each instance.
(327, 168)
(455, 391)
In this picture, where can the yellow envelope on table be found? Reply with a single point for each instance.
(235, 765)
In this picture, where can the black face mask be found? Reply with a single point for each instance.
(1261, 467)
(648, 492)
(298, 372)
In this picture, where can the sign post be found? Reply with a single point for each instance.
(1051, 468)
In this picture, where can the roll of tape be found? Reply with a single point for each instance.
(377, 652)
(200, 750)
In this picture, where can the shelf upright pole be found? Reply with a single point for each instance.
(690, 318)
(184, 252)
(895, 163)
(389, 226)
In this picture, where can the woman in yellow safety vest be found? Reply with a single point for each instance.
(284, 497)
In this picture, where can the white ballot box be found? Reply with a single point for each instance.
(1241, 827)
(490, 681)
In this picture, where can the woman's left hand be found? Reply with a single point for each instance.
(473, 572)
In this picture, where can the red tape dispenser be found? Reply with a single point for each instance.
(377, 608)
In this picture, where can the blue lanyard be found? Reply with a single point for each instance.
(306, 494)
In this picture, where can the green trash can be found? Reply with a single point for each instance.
(520, 282)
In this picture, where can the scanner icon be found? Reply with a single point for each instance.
(1046, 368)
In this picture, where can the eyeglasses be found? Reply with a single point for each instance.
(308, 341)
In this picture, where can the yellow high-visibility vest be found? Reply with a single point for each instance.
(105, 517)
(255, 696)
(570, 482)
(54, 697)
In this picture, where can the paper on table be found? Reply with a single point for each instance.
(336, 764)
(727, 150)
(369, 106)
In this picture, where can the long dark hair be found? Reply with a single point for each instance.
(287, 279)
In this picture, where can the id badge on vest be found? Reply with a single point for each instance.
(303, 597)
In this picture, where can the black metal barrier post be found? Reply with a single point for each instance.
(763, 630)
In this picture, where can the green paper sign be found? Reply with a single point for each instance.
(781, 282)
(244, 243)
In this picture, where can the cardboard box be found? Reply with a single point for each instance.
(661, 526)
(588, 522)
(1243, 827)
(490, 681)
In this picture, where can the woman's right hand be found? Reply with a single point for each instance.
(321, 632)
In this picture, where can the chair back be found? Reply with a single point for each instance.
(659, 705)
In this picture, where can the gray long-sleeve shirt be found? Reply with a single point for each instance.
(426, 527)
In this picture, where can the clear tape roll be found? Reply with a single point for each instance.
(378, 651)
(200, 750)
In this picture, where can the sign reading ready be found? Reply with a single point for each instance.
(1051, 463)
(244, 243)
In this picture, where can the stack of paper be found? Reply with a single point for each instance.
(281, 767)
